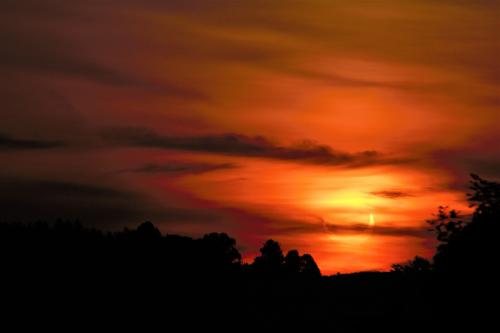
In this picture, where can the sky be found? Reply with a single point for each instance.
(334, 127)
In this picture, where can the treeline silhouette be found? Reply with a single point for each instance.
(72, 246)
(83, 275)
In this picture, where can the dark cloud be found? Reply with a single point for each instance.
(37, 48)
(57, 38)
(66, 189)
(33, 109)
(106, 206)
(245, 146)
(175, 168)
(27, 199)
(64, 64)
(40, 52)
(391, 194)
(480, 156)
(8, 143)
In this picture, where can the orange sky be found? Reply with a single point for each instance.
(287, 119)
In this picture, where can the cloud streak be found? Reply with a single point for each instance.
(182, 168)
(246, 146)
(303, 227)
(8, 143)
(394, 231)
(391, 194)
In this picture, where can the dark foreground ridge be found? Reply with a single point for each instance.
(66, 273)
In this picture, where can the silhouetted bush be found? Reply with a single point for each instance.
(416, 265)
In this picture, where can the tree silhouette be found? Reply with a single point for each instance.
(468, 243)
(271, 259)
(219, 253)
(292, 263)
(272, 262)
(309, 268)
(147, 232)
(466, 258)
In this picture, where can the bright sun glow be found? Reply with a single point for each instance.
(372, 220)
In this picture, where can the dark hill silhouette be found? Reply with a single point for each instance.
(65, 271)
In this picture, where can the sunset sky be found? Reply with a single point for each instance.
(333, 127)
